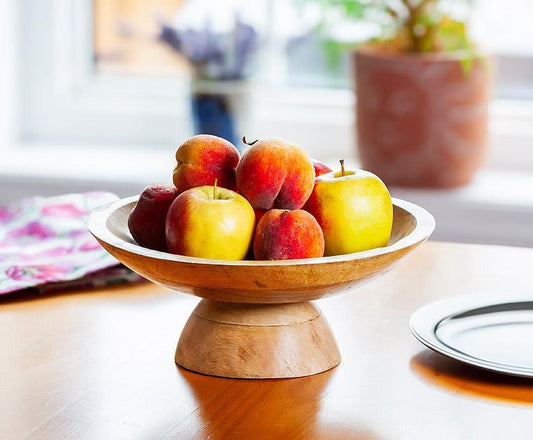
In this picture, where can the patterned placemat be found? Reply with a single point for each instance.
(45, 244)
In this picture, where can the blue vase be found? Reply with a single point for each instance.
(212, 114)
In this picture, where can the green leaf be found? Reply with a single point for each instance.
(452, 34)
(466, 64)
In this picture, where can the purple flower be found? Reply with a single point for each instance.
(216, 56)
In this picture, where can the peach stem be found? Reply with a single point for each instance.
(248, 143)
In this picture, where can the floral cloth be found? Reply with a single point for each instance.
(45, 240)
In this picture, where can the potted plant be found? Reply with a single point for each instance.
(422, 91)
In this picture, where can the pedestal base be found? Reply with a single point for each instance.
(257, 341)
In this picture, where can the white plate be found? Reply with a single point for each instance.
(488, 332)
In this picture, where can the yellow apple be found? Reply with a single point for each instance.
(353, 208)
(210, 222)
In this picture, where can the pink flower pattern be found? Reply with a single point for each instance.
(89, 245)
(44, 240)
(39, 272)
(51, 253)
(63, 210)
(7, 213)
(33, 230)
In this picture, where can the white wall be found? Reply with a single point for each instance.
(8, 83)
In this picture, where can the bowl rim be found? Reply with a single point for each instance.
(97, 225)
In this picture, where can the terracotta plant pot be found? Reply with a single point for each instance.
(422, 119)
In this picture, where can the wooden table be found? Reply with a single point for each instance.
(99, 365)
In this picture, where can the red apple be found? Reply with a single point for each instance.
(146, 221)
(204, 158)
(210, 222)
(275, 174)
(283, 235)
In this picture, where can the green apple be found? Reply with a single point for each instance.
(210, 222)
(354, 209)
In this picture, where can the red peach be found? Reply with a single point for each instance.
(283, 235)
(203, 158)
(259, 213)
(320, 168)
(275, 174)
(146, 221)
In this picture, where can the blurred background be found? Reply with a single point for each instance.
(98, 95)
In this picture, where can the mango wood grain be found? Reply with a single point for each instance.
(257, 341)
(259, 281)
(99, 364)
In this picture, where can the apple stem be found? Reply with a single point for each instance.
(215, 189)
(342, 167)
(248, 143)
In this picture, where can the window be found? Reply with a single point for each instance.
(96, 72)
(125, 39)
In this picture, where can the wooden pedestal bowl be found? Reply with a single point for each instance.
(256, 319)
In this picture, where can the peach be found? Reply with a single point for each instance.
(283, 235)
(204, 158)
(259, 213)
(275, 174)
(320, 168)
(146, 221)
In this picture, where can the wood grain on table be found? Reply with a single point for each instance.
(100, 365)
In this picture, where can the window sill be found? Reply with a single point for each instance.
(496, 208)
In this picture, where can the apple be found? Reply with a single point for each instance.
(275, 174)
(284, 235)
(210, 222)
(354, 209)
(320, 168)
(204, 158)
(146, 221)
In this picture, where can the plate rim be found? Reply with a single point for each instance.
(426, 319)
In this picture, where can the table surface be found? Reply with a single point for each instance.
(100, 365)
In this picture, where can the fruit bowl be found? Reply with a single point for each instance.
(256, 319)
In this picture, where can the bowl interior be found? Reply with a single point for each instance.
(117, 223)
(259, 281)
